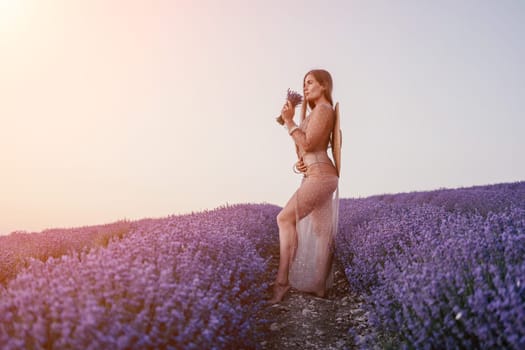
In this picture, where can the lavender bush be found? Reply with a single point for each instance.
(17, 248)
(182, 282)
(440, 269)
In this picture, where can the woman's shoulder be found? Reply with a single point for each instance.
(321, 110)
(323, 106)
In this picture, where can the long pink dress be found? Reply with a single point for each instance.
(317, 209)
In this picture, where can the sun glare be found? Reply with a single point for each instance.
(10, 10)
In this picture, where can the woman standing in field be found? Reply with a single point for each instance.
(308, 222)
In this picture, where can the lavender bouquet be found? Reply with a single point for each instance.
(295, 98)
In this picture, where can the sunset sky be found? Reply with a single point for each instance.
(113, 109)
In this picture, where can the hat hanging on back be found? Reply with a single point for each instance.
(337, 139)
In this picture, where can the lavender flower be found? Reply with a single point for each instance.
(183, 282)
(439, 269)
(19, 246)
(295, 99)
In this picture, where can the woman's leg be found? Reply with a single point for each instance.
(287, 243)
(324, 265)
(310, 195)
(314, 199)
(323, 227)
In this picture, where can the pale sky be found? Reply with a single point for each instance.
(114, 109)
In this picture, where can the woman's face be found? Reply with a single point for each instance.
(312, 89)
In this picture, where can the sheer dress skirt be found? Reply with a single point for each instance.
(316, 208)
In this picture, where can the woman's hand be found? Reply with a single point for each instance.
(288, 111)
(299, 165)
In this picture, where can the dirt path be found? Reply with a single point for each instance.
(303, 321)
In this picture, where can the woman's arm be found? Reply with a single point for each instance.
(319, 126)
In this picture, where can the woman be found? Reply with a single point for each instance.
(308, 222)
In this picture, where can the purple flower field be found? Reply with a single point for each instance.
(182, 282)
(440, 269)
(17, 248)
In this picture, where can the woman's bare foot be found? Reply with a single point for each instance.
(279, 291)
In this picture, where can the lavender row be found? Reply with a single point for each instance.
(475, 199)
(435, 277)
(17, 248)
(190, 282)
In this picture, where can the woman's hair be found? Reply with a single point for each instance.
(325, 79)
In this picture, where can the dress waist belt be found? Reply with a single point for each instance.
(317, 157)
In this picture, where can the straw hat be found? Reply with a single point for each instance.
(337, 136)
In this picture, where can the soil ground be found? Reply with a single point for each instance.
(304, 321)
